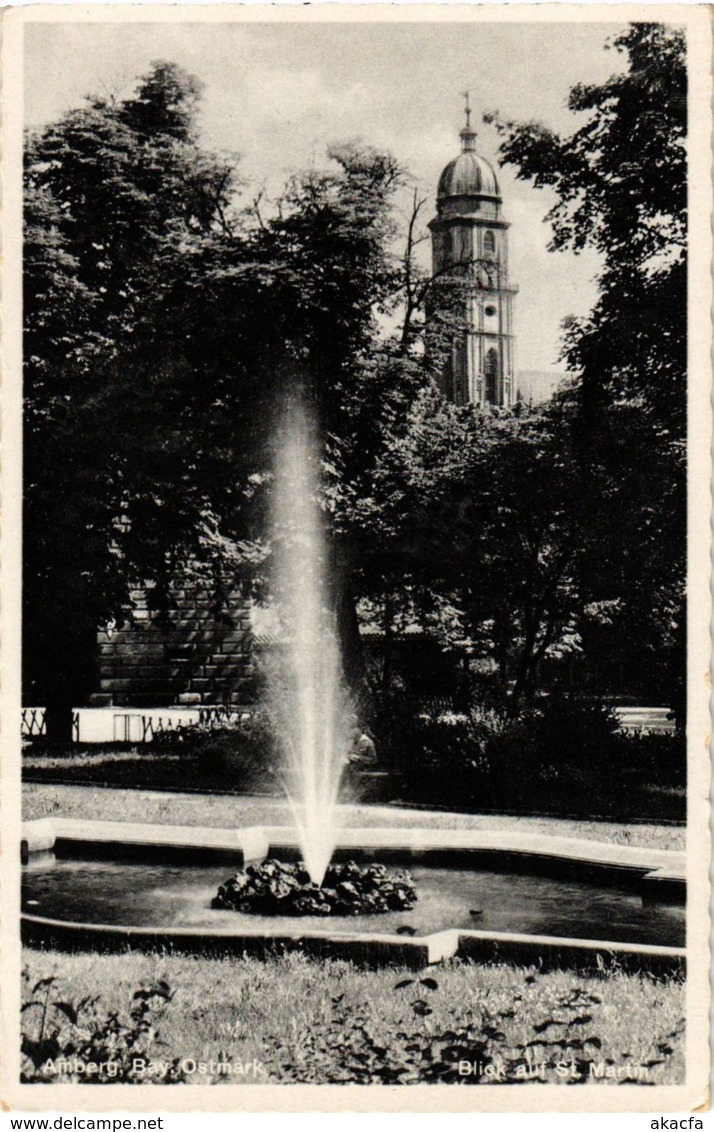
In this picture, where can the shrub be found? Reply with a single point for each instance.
(576, 731)
(60, 1036)
(564, 754)
(241, 753)
(600, 765)
(466, 758)
(178, 740)
(660, 758)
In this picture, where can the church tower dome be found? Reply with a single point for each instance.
(469, 174)
(470, 244)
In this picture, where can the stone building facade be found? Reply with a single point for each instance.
(194, 651)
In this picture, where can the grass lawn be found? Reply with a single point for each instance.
(642, 789)
(130, 766)
(291, 1019)
(45, 800)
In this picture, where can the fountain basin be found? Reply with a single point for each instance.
(549, 900)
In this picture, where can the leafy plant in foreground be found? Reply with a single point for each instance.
(535, 1037)
(61, 1037)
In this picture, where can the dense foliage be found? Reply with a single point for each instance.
(548, 545)
(563, 755)
(621, 188)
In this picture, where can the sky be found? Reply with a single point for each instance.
(280, 93)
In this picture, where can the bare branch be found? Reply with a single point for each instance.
(255, 208)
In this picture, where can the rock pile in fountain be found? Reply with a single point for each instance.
(278, 888)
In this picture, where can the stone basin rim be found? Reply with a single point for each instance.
(378, 948)
(255, 843)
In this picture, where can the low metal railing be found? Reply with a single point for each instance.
(141, 727)
(34, 723)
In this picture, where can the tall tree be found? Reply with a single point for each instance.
(164, 327)
(116, 192)
(621, 185)
(474, 534)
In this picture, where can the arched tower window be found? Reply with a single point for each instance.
(492, 377)
(489, 243)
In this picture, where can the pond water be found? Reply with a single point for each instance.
(171, 895)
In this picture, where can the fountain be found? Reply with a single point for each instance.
(310, 710)
(310, 704)
(553, 900)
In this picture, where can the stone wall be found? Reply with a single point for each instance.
(193, 652)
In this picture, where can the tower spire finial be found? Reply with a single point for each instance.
(468, 133)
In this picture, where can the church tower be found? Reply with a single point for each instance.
(470, 244)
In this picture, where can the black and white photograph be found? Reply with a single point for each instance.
(356, 560)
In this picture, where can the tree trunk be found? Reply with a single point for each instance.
(386, 682)
(352, 651)
(354, 666)
(59, 662)
(58, 719)
(523, 686)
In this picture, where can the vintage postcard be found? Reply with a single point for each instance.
(355, 557)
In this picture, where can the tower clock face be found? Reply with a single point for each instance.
(490, 318)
